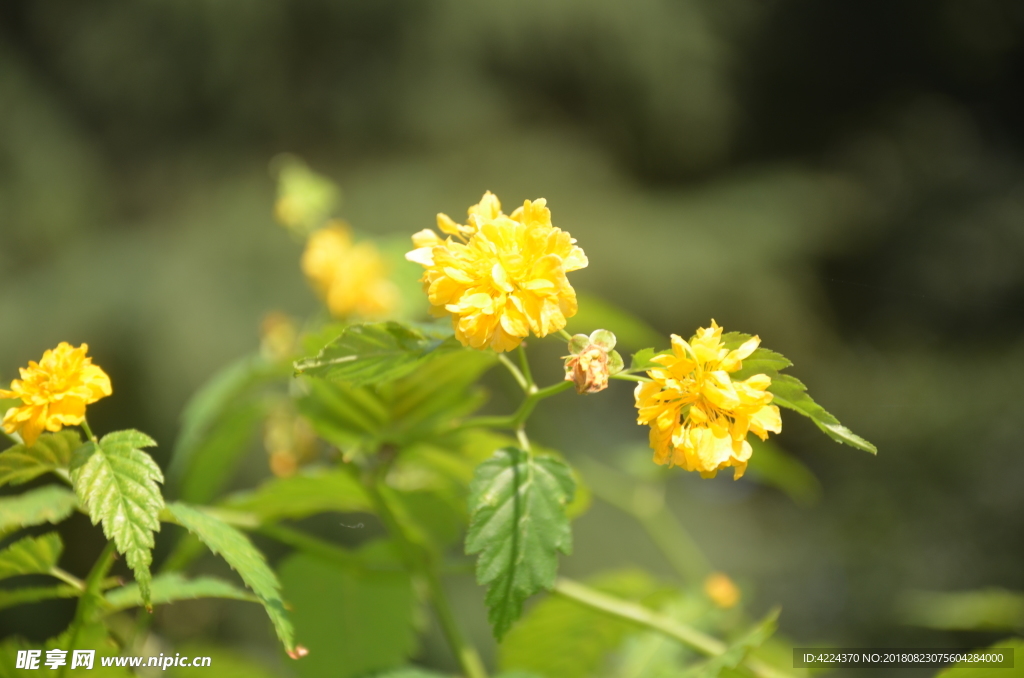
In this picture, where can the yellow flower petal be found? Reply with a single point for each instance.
(54, 392)
(699, 416)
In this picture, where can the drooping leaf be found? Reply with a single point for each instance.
(33, 594)
(48, 504)
(561, 638)
(116, 483)
(790, 393)
(302, 495)
(244, 558)
(353, 620)
(1012, 649)
(52, 451)
(172, 586)
(518, 525)
(737, 651)
(772, 466)
(982, 610)
(31, 555)
(373, 353)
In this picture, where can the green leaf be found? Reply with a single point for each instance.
(352, 620)
(219, 451)
(373, 353)
(218, 420)
(630, 331)
(642, 360)
(769, 465)
(738, 651)
(33, 594)
(790, 393)
(733, 340)
(440, 390)
(983, 610)
(968, 670)
(31, 555)
(52, 451)
(116, 483)
(49, 504)
(302, 495)
(412, 672)
(761, 361)
(345, 416)
(228, 663)
(518, 525)
(244, 558)
(167, 588)
(561, 638)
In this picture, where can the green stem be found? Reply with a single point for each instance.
(67, 578)
(629, 377)
(519, 417)
(88, 431)
(514, 371)
(639, 614)
(90, 596)
(565, 335)
(421, 562)
(524, 366)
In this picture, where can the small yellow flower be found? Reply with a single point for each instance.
(350, 277)
(54, 392)
(721, 590)
(699, 416)
(500, 276)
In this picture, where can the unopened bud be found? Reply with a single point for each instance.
(591, 361)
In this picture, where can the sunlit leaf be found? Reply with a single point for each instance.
(353, 621)
(518, 525)
(116, 483)
(372, 353)
(31, 555)
(48, 504)
(52, 451)
(167, 588)
(244, 558)
(790, 393)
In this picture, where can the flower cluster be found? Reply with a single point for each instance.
(500, 276)
(699, 416)
(54, 392)
(350, 277)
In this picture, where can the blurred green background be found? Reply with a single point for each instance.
(845, 179)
